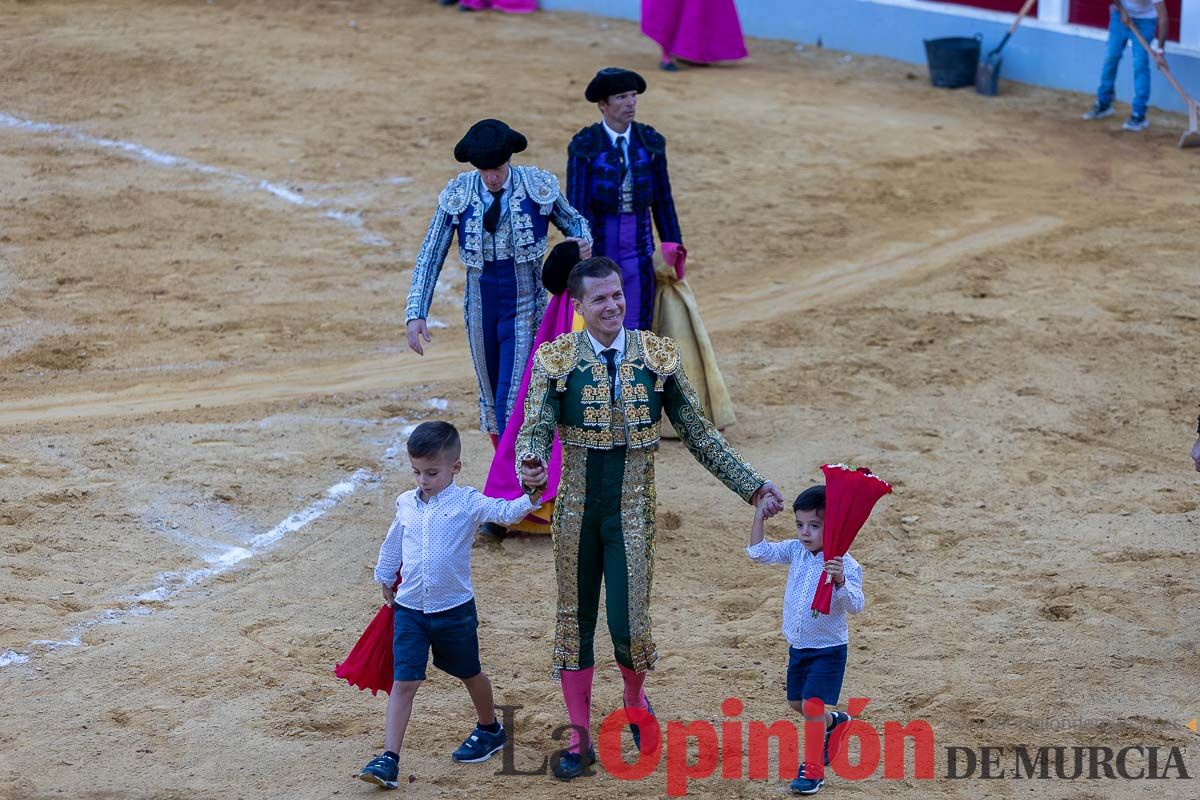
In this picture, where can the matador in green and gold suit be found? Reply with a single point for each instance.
(604, 517)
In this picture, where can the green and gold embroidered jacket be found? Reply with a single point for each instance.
(569, 391)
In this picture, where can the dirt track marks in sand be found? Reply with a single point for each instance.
(835, 283)
(232, 390)
(904, 263)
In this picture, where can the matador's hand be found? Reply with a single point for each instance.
(585, 247)
(769, 498)
(417, 331)
(533, 472)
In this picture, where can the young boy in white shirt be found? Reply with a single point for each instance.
(818, 645)
(430, 543)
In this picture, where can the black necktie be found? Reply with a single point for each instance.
(621, 156)
(491, 217)
(610, 358)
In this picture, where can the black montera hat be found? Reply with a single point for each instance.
(488, 144)
(558, 266)
(613, 80)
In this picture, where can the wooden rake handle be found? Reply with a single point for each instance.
(1021, 15)
(1012, 28)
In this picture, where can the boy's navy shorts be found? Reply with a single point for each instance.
(451, 634)
(816, 672)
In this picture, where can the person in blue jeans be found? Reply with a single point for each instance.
(817, 644)
(1152, 20)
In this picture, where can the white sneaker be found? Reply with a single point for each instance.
(1135, 123)
(1098, 111)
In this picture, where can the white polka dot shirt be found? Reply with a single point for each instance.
(432, 540)
(801, 629)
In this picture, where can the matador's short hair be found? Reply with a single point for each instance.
(595, 267)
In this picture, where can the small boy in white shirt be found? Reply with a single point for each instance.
(818, 645)
(430, 543)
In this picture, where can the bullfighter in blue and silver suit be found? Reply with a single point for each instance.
(617, 177)
(502, 215)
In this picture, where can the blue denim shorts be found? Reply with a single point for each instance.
(816, 672)
(450, 634)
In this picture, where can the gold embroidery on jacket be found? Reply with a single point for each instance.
(566, 528)
(638, 503)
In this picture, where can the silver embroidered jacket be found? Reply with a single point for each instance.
(534, 202)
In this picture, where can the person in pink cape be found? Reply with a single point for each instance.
(559, 318)
(507, 6)
(697, 31)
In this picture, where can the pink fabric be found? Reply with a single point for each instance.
(638, 707)
(696, 30)
(676, 256)
(577, 694)
(502, 477)
(634, 681)
(509, 6)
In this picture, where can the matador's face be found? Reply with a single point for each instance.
(619, 109)
(494, 179)
(602, 306)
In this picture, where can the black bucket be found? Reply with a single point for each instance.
(953, 60)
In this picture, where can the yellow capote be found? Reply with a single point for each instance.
(676, 315)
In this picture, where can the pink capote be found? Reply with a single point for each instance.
(509, 6)
(850, 494)
(502, 477)
(675, 255)
(695, 30)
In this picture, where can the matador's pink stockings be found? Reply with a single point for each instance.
(577, 694)
(634, 696)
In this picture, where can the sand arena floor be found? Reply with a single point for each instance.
(209, 212)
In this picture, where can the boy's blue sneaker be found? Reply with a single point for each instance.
(568, 765)
(1098, 111)
(381, 771)
(839, 718)
(803, 785)
(479, 746)
(1136, 123)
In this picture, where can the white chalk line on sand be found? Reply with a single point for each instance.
(138, 152)
(227, 557)
(348, 217)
